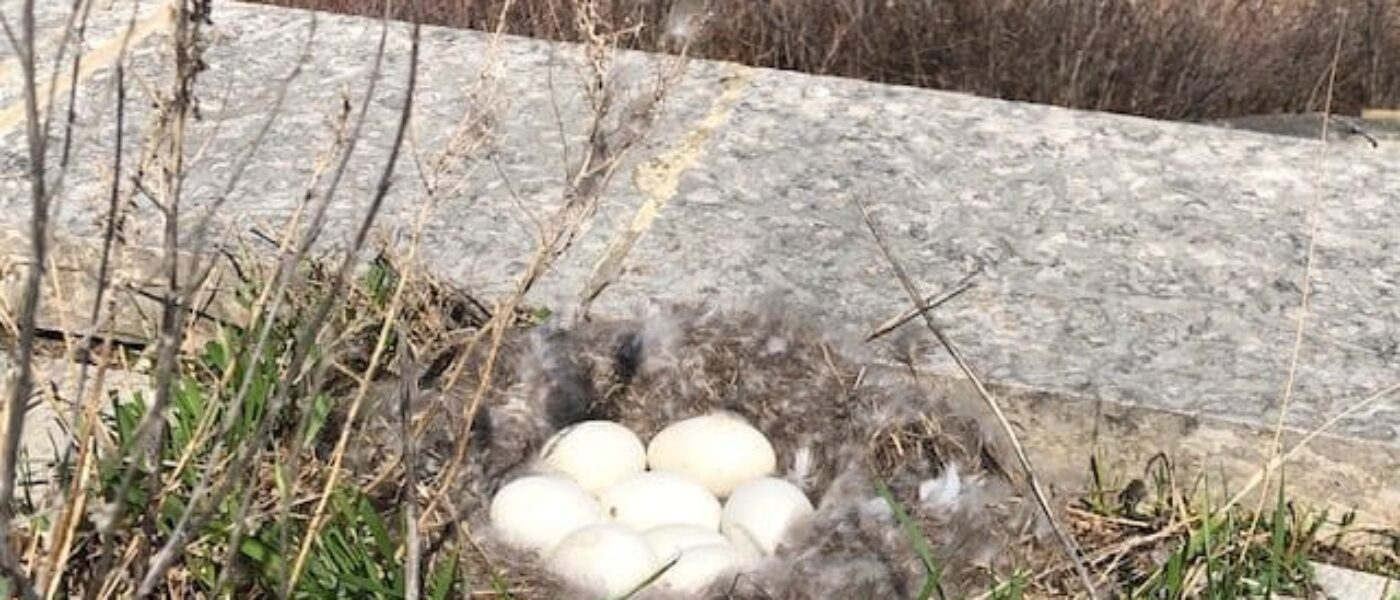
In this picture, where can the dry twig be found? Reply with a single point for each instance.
(928, 304)
(916, 297)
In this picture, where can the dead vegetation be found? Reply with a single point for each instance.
(1171, 59)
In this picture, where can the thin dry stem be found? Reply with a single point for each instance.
(915, 296)
(29, 306)
(408, 398)
(1305, 301)
(348, 427)
(263, 313)
(928, 304)
(405, 116)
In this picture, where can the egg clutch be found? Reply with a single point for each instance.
(699, 452)
(608, 513)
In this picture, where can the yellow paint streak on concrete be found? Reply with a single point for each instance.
(100, 57)
(659, 178)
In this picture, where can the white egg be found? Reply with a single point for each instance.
(651, 499)
(537, 511)
(719, 450)
(596, 454)
(760, 512)
(744, 543)
(698, 567)
(607, 559)
(668, 541)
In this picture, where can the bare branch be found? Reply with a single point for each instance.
(109, 234)
(29, 307)
(11, 37)
(38, 234)
(246, 159)
(609, 141)
(81, 9)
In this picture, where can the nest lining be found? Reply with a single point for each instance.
(840, 428)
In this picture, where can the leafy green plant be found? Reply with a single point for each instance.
(1229, 554)
(1014, 588)
(356, 553)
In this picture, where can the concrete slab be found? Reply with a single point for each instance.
(61, 33)
(49, 421)
(1144, 262)
(132, 302)
(1345, 584)
(1147, 265)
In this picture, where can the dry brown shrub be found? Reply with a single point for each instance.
(1173, 59)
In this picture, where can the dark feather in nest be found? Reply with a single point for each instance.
(838, 423)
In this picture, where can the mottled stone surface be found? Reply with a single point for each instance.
(100, 36)
(1144, 263)
(1140, 261)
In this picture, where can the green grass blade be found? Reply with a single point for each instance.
(932, 586)
(442, 579)
(649, 580)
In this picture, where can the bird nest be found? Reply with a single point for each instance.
(905, 479)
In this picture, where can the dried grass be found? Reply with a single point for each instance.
(1173, 59)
